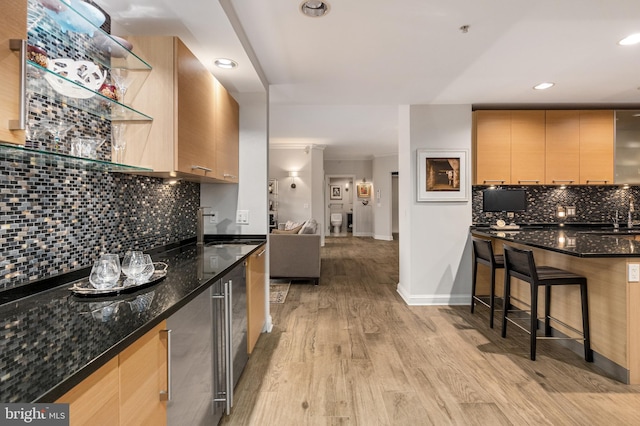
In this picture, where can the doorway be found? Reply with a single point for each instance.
(339, 200)
(395, 228)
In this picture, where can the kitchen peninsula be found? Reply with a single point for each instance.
(603, 255)
(53, 340)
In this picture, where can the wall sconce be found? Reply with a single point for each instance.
(346, 187)
(293, 176)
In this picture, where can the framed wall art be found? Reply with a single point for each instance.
(335, 192)
(442, 175)
(363, 189)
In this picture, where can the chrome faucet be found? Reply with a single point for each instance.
(200, 225)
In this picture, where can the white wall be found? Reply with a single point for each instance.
(435, 258)
(382, 196)
(251, 191)
(317, 186)
(293, 203)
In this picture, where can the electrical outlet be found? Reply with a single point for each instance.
(510, 215)
(213, 218)
(213, 262)
(242, 217)
(634, 272)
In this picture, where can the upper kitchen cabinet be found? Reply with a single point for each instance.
(562, 147)
(195, 131)
(13, 26)
(493, 147)
(509, 147)
(580, 147)
(597, 136)
(527, 147)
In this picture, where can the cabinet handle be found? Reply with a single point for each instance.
(562, 181)
(596, 180)
(261, 253)
(228, 339)
(205, 169)
(165, 395)
(20, 46)
(227, 175)
(530, 180)
(494, 180)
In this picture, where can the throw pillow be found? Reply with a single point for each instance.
(309, 227)
(287, 231)
(291, 225)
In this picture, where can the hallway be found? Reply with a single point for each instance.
(351, 352)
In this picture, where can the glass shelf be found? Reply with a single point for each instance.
(68, 24)
(88, 101)
(36, 157)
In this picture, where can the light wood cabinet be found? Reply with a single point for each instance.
(562, 147)
(527, 147)
(256, 299)
(126, 390)
(551, 147)
(493, 147)
(597, 146)
(13, 25)
(143, 375)
(195, 132)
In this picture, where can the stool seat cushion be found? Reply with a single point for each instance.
(499, 259)
(552, 276)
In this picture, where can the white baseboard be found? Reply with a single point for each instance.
(433, 299)
(383, 237)
(363, 234)
(268, 326)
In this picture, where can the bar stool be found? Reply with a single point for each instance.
(520, 264)
(483, 254)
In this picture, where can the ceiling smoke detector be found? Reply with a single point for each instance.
(314, 8)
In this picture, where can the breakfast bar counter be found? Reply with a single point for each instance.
(604, 256)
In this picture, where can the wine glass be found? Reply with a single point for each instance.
(105, 272)
(59, 131)
(118, 142)
(132, 265)
(122, 79)
(147, 270)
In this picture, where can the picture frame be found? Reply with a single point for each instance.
(442, 175)
(363, 190)
(335, 192)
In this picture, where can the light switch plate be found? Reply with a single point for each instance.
(242, 217)
(634, 272)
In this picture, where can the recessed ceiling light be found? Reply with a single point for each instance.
(629, 40)
(543, 86)
(314, 8)
(225, 63)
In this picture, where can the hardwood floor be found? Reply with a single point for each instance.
(351, 352)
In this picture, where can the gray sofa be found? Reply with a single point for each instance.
(295, 256)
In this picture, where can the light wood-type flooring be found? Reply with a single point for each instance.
(351, 352)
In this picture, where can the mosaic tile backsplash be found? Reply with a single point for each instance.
(594, 204)
(55, 219)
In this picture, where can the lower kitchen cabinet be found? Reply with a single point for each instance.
(126, 390)
(256, 298)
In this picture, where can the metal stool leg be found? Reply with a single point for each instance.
(492, 291)
(473, 284)
(547, 310)
(588, 353)
(534, 320)
(506, 302)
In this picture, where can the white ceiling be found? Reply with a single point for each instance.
(338, 80)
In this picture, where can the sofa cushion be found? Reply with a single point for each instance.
(309, 227)
(287, 231)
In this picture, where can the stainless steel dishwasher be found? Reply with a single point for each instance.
(208, 351)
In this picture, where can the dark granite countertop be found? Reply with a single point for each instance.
(52, 340)
(581, 241)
